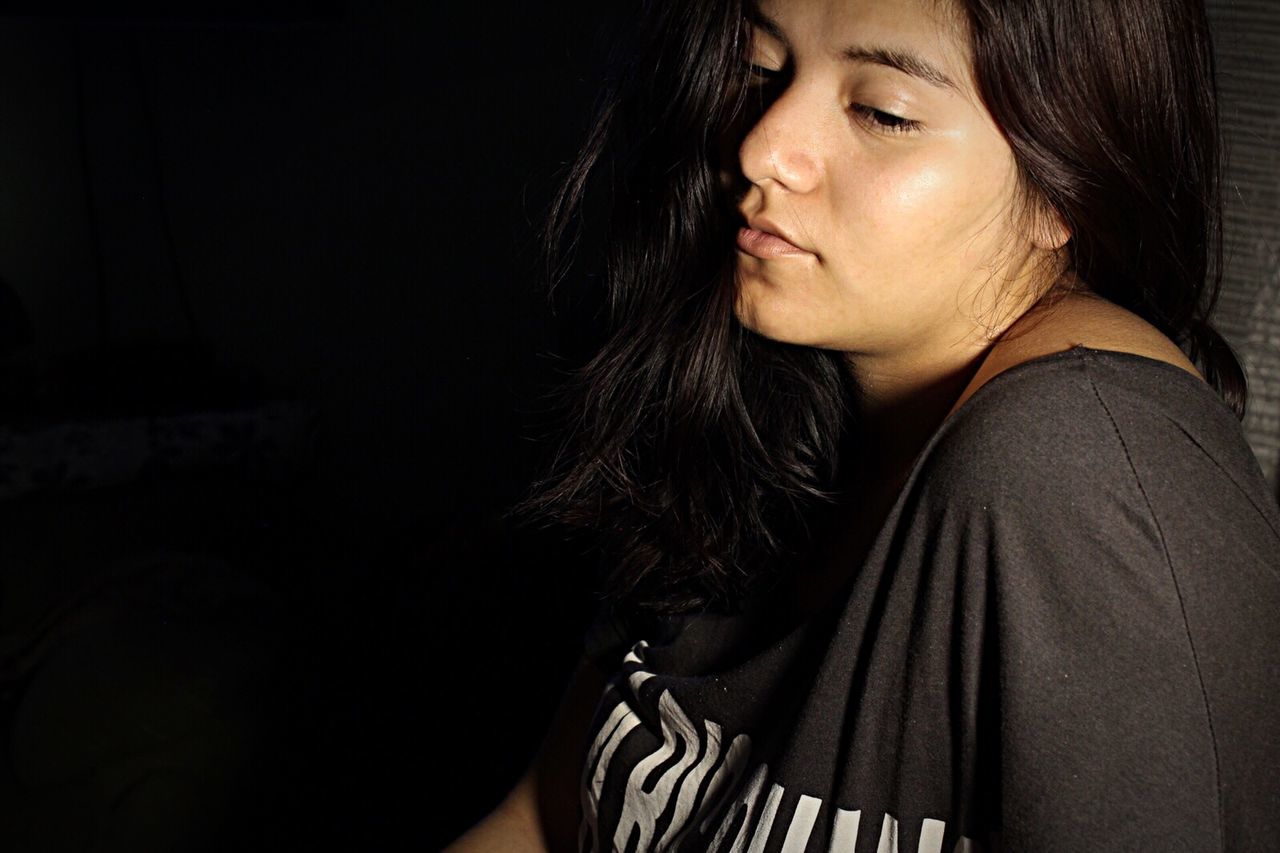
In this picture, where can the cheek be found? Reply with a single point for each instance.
(893, 221)
(920, 213)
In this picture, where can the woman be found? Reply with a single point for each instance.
(926, 512)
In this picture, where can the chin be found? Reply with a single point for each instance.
(786, 329)
(813, 322)
(765, 310)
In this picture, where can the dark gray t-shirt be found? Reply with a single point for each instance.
(1065, 637)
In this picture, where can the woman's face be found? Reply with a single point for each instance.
(875, 158)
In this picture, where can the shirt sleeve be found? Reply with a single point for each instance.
(1096, 686)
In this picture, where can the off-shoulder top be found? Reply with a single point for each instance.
(1065, 636)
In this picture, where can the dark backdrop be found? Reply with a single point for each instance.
(272, 365)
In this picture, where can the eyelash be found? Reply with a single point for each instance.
(883, 121)
(765, 74)
(888, 122)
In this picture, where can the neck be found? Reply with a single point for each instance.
(899, 407)
(904, 396)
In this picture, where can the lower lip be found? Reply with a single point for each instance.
(762, 244)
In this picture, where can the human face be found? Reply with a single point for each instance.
(894, 191)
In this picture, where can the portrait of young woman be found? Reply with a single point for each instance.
(924, 513)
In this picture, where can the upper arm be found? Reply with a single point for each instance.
(540, 812)
(1092, 697)
(1105, 739)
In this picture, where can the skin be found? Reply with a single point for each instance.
(914, 251)
(918, 258)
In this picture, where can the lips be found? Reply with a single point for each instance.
(762, 239)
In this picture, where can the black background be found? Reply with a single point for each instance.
(218, 205)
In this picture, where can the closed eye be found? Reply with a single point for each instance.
(764, 73)
(881, 120)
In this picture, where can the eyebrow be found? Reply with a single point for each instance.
(900, 60)
(907, 63)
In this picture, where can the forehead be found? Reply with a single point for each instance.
(934, 30)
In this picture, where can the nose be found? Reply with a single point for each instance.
(783, 145)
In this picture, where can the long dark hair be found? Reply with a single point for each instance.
(1110, 107)
(699, 455)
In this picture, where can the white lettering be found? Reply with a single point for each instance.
(801, 824)
(764, 826)
(641, 810)
(888, 835)
(844, 837)
(689, 786)
(618, 725)
(636, 655)
(931, 836)
(744, 804)
(723, 784)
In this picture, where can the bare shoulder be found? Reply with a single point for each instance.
(1077, 319)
